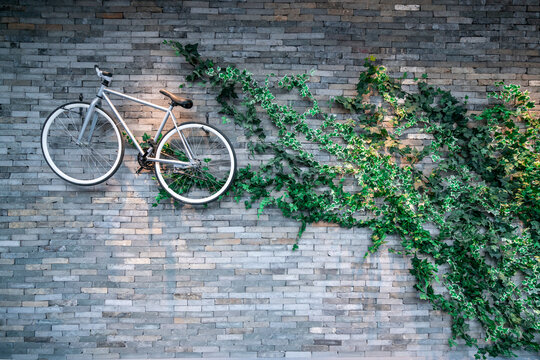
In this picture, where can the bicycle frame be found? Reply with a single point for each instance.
(92, 116)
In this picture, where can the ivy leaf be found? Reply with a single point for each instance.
(367, 172)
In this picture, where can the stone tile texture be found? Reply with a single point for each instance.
(99, 273)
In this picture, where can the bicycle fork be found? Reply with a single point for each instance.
(90, 114)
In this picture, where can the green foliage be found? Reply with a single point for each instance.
(480, 263)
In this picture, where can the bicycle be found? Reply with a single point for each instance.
(82, 144)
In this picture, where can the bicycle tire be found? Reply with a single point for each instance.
(215, 172)
(81, 163)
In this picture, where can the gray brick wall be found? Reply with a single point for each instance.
(99, 273)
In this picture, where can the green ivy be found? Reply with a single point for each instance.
(482, 196)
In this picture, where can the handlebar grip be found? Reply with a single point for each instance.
(102, 72)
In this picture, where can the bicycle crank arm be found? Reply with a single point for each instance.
(181, 164)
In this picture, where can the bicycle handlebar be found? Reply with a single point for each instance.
(102, 73)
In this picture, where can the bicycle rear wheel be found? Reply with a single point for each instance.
(92, 160)
(215, 167)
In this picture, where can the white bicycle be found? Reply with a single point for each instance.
(195, 163)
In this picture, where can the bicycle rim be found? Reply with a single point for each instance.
(92, 160)
(215, 169)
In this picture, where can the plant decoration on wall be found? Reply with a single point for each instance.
(481, 194)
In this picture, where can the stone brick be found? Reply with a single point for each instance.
(99, 273)
(407, 7)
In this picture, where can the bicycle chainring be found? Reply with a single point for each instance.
(145, 164)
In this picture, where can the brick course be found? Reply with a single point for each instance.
(98, 273)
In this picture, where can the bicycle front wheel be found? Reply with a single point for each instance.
(212, 170)
(88, 161)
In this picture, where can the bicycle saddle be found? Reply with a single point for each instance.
(177, 100)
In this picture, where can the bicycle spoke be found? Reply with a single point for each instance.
(211, 173)
(90, 160)
(96, 159)
(67, 129)
(201, 178)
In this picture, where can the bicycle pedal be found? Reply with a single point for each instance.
(138, 172)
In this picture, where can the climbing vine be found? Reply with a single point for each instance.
(474, 182)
